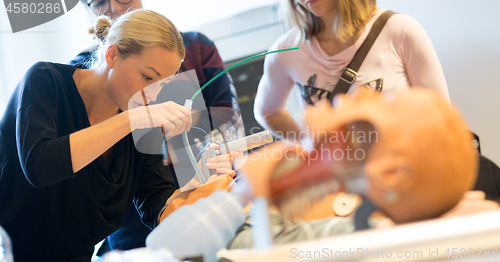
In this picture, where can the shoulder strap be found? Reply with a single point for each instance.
(348, 75)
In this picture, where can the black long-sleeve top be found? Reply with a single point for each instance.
(51, 213)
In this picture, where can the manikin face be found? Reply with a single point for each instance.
(422, 161)
(129, 76)
(411, 149)
(319, 8)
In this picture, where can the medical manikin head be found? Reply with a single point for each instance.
(410, 154)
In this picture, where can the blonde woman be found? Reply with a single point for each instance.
(329, 32)
(219, 96)
(69, 169)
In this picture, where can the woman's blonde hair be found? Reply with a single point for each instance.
(350, 16)
(134, 31)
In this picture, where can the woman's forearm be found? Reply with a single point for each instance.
(284, 126)
(88, 144)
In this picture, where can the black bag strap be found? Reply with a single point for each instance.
(348, 75)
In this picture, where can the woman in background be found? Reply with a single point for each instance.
(329, 32)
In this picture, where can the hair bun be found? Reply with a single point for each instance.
(101, 27)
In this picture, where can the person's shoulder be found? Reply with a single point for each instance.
(42, 69)
(402, 19)
(191, 37)
(49, 69)
(402, 22)
(404, 29)
(46, 77)
(42, 82)
(290, 39)
(42, 65)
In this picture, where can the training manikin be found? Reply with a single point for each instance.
(408, 153)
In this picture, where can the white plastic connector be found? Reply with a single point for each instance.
(188, 104)
(248, 142)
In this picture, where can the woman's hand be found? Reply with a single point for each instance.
(173, 117)
(472, 202)
(223, 164)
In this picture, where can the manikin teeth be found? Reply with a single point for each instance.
(316, 193)
(306, 201)
(285, 210)
(321, 191)
(296, 203)
(332, 186)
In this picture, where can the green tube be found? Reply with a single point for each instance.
(192, 159)
(237, 64)
(185, 139)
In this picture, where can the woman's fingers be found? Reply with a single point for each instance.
(168, 127)
(474, 194)
(182, 113)
(178, 116)
(470, 206)
(214, 146)
(223, 161)
(178, 124)
(214, 165)
(236, 154)
(187, 112)
(226, 171)
(219, 158)
(174, 117)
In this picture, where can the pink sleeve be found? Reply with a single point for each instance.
(274, 88)
(420, 59)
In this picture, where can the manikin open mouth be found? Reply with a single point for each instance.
(335, 165)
